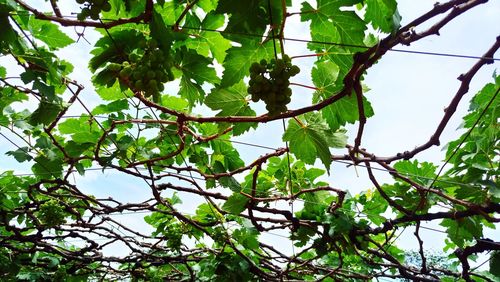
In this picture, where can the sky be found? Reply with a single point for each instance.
(408, 93)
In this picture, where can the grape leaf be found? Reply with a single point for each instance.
(46, 167)
(21, 154)
(49, 33)
(190, 91)
(196, 67)
(383, 14)
(495, 263)
(9, 37)
(247, 237)
(345, 110)
(422, 173)
(115, 106)
(239, 60)
(45, 113)
(159, 31)
(235, 204)
(230, 101)
(206, 41)
(328, 22)
(463, 230)
(311, 138)
(245, 17)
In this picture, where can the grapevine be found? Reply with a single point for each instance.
(146, 69)
(92, 8)
(269, 82)
(51, 213)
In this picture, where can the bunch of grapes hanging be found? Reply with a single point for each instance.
(146, 69)
(270, 83)
(92, 8)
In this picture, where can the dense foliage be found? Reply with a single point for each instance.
(155, 70)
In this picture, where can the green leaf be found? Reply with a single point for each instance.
(45, 113)
(247, 237)
(115, 106)
(196, 67)
(230, 101)
(47, 91)
(49, 33)
(239, 60)
(325, 77)
(345, 111)
(495, 263)
(113, 93)
(191, 91)
(81, 130)
(21, 154)
(9, 39)
(329, 23)
(383, 14)
(159, 31)
(3, 72)
(311, 139)
(423, 173)
(206, 41)
(174, 103)
(246, 17)
(207, 5)
(45, 167)
(463, 230)
(231, 183)
(235, 204)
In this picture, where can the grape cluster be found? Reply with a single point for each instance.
(51, 213)
(269, 82)
(146, 69)
(92, 8)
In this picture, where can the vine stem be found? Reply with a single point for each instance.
(305, 86)
(299, 122)
(188, 7)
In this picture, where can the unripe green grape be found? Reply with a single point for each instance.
(156, 97)
(294, 70)
(152, 84)
(152, 44)
(255, 68)
(164, 77)
(85, 11)
(51, 213)
(106, 7)
(259, 79)
(136, 75)
(95, 17)
(150, 74)
(125, 72)
(114, 67)
(139, 85)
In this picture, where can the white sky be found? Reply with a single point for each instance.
(408, 94)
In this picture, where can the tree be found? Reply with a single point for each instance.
(52, 229)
